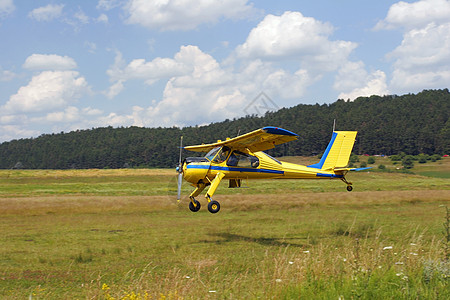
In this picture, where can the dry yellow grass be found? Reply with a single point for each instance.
(84, 173)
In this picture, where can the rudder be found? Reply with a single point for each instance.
(338, 151)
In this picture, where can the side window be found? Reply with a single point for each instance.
(223, 154)
(239, 159)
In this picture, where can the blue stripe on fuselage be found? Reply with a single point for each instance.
(329, 175)
(234, 169)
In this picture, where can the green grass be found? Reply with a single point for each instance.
(101, 234)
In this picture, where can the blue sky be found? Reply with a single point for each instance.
(67, 65)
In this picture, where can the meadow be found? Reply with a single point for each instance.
(120, 234)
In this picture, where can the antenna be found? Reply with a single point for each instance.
(334, 124)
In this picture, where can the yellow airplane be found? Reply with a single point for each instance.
(242, 158)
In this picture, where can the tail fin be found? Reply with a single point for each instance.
(338, 151)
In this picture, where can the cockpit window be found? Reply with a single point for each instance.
(222, 155)
(210, 155)
(239, 159)
(218, 154)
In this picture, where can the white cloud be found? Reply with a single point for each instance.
(47, 13)
(422, 60)
(182, 14)
(91, 46)
(110, 4)
(47, 91)
(6, 7)
(9, 132)
(49, 62)
(6, 75)
(293, 35)
(200, 90)
(102, 19)
(416, 14)
(81, 17)
(92, 111)
(372, 84)
(70, 114)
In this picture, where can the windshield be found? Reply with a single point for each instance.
(223, 155)
(210, 155)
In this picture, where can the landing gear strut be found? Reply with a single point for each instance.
(349, 184)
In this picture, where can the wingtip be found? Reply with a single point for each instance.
(278, 130)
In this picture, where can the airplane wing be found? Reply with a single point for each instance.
(258, 140)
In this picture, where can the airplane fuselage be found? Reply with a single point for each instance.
(267, 168)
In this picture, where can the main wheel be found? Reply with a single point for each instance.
(349, 188)
(195, 208)
(213, 206)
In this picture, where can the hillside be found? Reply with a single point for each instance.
(412, 123)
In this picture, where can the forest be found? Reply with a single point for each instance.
(386, 125)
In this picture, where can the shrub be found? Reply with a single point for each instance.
(371, 160)
(408, 162)
(381, 167)
(363, 164)
(354, 158)
(396, 158)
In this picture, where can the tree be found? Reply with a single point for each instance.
(408, 162)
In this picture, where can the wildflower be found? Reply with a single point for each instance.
(187, 277)
(212, 291)
(413, 253)
(291, 262)
(345, 259)
(105, 287)
(306, 251)
(387, 248)
(399, 263)
(278, 280)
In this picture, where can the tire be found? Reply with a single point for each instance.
(194, 208)
(349, 188)
(213, 207)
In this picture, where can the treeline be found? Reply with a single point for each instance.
(412, 124)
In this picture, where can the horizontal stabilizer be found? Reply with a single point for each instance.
(360, 169)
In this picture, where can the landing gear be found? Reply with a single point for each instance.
(194, 205)
(349, 184)
(213, 206)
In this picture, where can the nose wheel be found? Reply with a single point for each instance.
(194, 205)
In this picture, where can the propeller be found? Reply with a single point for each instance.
(180, 171)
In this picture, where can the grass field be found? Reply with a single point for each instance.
(103, 234)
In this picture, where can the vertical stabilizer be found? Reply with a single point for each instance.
(338, 151)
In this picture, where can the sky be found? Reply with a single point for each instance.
(69, 65)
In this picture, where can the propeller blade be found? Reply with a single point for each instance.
(181, 149)
(180, 181)
(180, 171)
